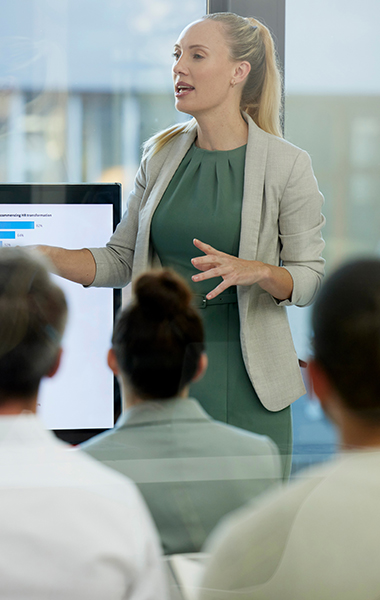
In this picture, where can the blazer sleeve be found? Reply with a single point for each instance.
(114, 262)
(300, 224)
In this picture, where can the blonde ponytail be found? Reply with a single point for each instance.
(250, 40)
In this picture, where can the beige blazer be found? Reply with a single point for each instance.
(281, 225)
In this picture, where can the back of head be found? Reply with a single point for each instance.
(250, 40)
(346, 324)
(158, 338)
(32, 319)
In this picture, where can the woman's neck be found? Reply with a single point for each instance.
(222, 134)
(131, 398)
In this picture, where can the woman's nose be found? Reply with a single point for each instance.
(180, 66)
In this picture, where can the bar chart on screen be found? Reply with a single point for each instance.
(15, 232)
(80, 396)
(35, 224)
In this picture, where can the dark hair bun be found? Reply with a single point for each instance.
(162, 294)
(158, 338)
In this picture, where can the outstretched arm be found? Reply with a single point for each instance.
(75, 265)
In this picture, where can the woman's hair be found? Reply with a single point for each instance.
(33, 315)
(346, 324)
(248, 40)
(158, 339)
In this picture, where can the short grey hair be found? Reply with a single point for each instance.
(33, 312)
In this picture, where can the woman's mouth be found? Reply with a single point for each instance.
(182, 89)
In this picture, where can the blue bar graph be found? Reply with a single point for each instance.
(1, 243)
(7, 235)
(16, 224)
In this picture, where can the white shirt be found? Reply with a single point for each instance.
(70, 527)
(319, 539)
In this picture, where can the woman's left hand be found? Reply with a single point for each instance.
(233, 270)
(277, 281)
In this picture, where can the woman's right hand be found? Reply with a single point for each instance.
(75, 265)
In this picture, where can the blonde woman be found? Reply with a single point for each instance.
(236, 210)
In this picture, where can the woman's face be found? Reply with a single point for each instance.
(203, 70)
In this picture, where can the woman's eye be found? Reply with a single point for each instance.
(176, 55)
(197, 56)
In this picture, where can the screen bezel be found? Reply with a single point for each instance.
(72, 193)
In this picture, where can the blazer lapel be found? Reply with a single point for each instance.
(168, 167)
(253, 195)
(254, 176)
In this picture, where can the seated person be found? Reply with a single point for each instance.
(320, 538)
(191, 469)
(70, 527)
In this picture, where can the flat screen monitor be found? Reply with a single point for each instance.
(82, 398)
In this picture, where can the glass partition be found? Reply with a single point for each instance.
(332, 110)
(83, 83)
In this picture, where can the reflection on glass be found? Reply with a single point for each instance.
(83, 84)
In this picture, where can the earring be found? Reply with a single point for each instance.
(233, 82)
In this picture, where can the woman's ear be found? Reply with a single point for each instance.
(202, 367)
(112, 362)
(242, 71)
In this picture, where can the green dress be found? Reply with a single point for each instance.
(204, 201)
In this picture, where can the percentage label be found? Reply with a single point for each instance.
(20, 235)
(38, 225)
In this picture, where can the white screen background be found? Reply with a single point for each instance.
(80, 395)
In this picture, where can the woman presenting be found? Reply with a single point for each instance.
(236, 210)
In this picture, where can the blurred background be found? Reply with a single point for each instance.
(84, 83)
